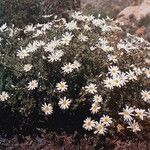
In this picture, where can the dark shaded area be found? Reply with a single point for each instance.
(19, 12)
(23, 12)
(59, 7)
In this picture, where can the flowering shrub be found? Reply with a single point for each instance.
(87, 67)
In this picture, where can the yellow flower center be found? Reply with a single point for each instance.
(106, 120)
(62, 86)
(47, 109)
(116, 81)
(64, 102)
(126, 113)
(100, 128)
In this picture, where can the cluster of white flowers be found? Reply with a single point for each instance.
(96, 104)
(55, 56)
(130, 112)
(118, 78)
(55, 41)
(67, 68)
(98, 127)
(71, 25)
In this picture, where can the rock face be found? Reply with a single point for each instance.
(107, 7)
(135, 13)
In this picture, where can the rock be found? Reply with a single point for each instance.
(133, 14)
(140, 31)
(107, 7)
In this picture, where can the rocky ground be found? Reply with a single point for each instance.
(108, 7)
(74, 142)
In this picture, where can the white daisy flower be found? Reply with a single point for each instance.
(47, 109)
(32, 47)
(114, 70)
(77, 15)
(55, 42)
(146, 95)
(32, 85)
(76, 65)
(52, 45)
(49, 47)
(123, 77)
(71, 25)
(117, 81)
(88, 124)
(64, 103)
(67, 68)
(91, 88)
(27, 67)
(82, 38)
(106, 120)
(100, 129)
(55, 56)
(97, 98)
(127, 113)
(98, 22)
(22, 54)
(29, 28)
(134, 126)
(38, 33)
(62, 86)
(4, 96)
(147, 72)
(89, 18)
(131, 75)
(95, 108)
(141, 113)
(67, 37)
(109, 83)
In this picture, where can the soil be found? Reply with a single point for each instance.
(55, 141)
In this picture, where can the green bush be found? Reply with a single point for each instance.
(64, 75)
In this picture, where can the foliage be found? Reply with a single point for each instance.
(19, 12)
(60, 74)
(58, 7)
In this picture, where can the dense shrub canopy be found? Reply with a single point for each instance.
(65, 75)
(19, 12)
